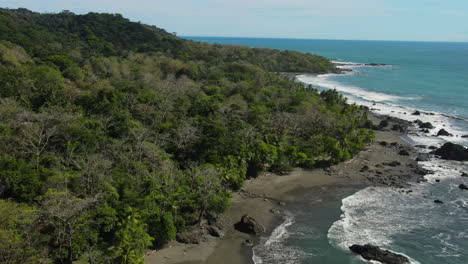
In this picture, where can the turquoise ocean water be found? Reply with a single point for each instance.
(426, 76)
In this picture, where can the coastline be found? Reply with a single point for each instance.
(266, 198)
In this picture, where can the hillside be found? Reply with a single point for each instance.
(115, 135)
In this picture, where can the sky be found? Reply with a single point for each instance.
(403, 20)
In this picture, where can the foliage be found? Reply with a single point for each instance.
(113, 133)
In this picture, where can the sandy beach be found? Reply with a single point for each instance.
(266, 198)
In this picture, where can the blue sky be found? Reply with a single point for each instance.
(419, 20)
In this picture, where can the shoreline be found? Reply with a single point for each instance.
(266, 198)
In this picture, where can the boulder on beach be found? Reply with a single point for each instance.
(403, 152)
(371, 252)
(464, 174)
(451, 151)
(444, 132)
(383, 123)
(249, 225)
(464, 136)
(383, 143)
(427, 125)
(463, 187)
(416, 113)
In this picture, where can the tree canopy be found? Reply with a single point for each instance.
(115, 135)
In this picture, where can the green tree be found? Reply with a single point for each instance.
(131, 241)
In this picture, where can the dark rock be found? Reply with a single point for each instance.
(426, 131)
(432, 147)
(463, 187)
(450, 151)
(398, 127)
(383, 123)
(248, 243)
(375, 64)
(438, 201)
(444, 132)
(464, 174)
(248, 225)
(423, 157)
(194, 236)
(464, 136)
(416, 113)
(427, 125)
(417, 121)
(403, 152)
(393, 164)
(216, 232)
(437, 180)
(420, 146)
(394, 144)
(422, 171)
(365, 168)
(383, 143)
(422, 179)
(370, 252)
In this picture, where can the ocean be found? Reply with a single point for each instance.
(431, 77)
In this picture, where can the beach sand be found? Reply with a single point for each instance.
(265, 197)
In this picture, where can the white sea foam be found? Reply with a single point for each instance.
(365, 218)
(325, 82)
(273, 249)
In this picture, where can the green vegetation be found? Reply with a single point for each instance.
(114, 135)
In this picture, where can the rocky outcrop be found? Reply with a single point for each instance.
(463, 187)
(399, 127)
(370, 252)
(194, 236)
(249, 225)
(418, 122)
(451, 151)
(444, 132)
(214, 231)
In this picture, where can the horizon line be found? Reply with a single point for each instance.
(338, 39)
